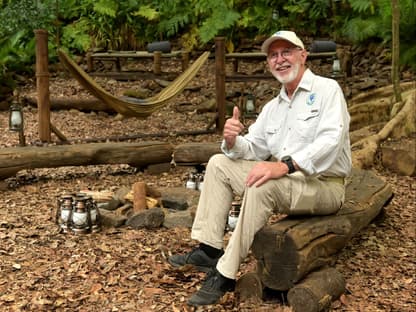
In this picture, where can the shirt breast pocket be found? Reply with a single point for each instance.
(272, 131)
(272, 138)
(306, 125)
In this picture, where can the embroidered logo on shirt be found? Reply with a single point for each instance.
(311, 99)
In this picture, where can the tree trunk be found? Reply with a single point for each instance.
(363, 151)
(395, 66)
(79, 104)
(142, 154)
(383, 92)
(369, 113)
(195, 153)
(291, 248)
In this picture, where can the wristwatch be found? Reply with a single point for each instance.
(289, 163)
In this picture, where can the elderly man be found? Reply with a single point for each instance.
(305, 129)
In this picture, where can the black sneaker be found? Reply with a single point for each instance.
(197, 257)
(214, 287)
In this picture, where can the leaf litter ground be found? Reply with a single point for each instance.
(126, 270)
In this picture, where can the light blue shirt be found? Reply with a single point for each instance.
(312, 127)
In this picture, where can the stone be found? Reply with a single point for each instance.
(158, 168)
(150, 218)
(207, 106)
(179, 198)
(111, 204)
(399, 156)
(121, 193)
(175, 219)
(111, 219)
(174, 203)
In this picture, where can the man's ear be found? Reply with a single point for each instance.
(304, 55)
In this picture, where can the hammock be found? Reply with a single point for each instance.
(129, 106)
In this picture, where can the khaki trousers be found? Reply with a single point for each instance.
(294, 194)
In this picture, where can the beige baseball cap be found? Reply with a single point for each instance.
(282, 35)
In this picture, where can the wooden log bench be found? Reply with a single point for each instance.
(294, 254)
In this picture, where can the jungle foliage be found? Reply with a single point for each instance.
(80, 25)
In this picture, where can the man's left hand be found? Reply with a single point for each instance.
(264, 171)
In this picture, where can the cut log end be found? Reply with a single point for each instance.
(249, 288)
(317, 291)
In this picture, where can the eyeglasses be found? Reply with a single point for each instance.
(284, 53)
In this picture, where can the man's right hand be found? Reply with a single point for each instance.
(232, 128)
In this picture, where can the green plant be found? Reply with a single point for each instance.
(109, 24)
(372, 21)
(196, 21)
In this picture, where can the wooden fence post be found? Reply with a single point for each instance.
(185, 60)
(157, 62)
(220, 81)
(42, 84)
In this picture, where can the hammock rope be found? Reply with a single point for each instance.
(131, 106)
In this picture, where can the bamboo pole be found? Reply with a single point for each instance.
(42, 84)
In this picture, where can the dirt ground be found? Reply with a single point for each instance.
(121, 269)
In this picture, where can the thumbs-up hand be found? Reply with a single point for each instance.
(232, 128)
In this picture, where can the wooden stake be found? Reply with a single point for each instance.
(139, 196)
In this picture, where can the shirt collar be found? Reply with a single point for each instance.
(307, 80)
(305, 83)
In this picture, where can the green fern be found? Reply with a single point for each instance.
(76, 36)
(362, 6)
(359, 30)
(372, 20)
(219, 21)
(171, 27)
(106, 7)
(147, 12)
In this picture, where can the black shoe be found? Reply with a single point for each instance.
(197, 257)
(215, 286)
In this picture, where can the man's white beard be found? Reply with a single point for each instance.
(287, 78)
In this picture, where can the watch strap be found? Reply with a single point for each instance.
(289, 163)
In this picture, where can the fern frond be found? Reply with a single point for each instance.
(106, 7)
(147, 12)
(76, 35)
(218, 21)
(358, 29)
(172, 26)
(362, 6)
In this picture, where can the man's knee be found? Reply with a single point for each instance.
(217, 159)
